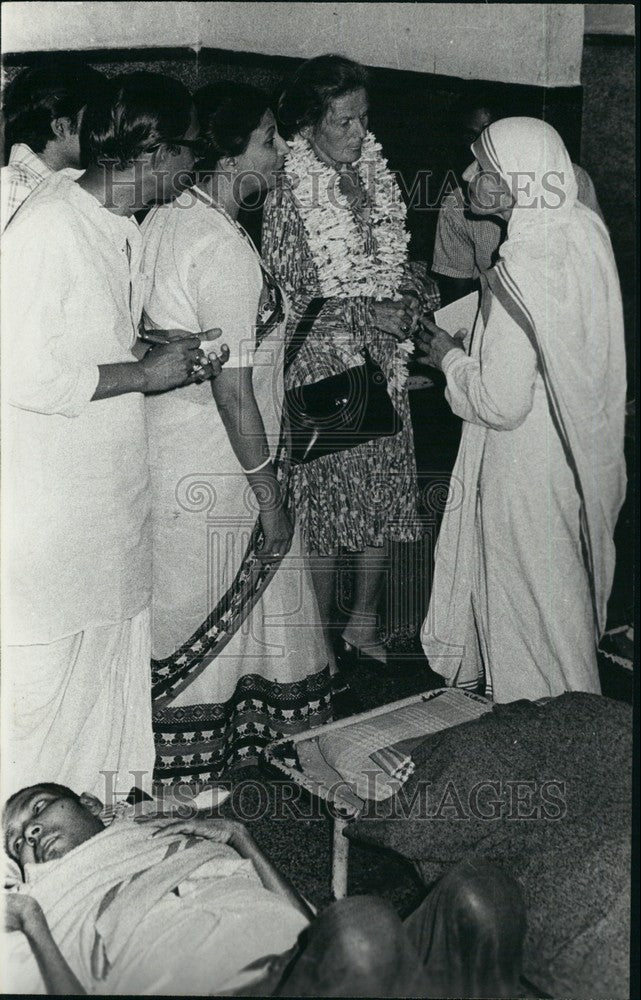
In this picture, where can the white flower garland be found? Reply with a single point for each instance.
(344, 269)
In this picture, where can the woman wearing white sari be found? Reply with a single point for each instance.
(525, 556)
(238, 655)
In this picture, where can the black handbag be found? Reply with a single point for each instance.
(338, 412)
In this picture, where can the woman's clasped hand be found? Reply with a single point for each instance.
(398, 317)
(175, 357)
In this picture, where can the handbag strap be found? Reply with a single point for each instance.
(304, 326)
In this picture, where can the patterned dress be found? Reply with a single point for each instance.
(367, 494)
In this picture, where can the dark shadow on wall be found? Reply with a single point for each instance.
(609, 137)
(608, 141)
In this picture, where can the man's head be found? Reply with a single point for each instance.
(46, 821)
(43, 107)
(144, 119)
(471, 114)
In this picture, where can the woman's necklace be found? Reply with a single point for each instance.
(208, 200)
(349, 265)
(346, 263)
(352, 188)
(270, 306)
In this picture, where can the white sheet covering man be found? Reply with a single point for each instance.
(76, 677)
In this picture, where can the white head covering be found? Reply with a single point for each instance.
(531, 157)
(557, 278)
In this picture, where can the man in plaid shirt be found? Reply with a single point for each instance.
(43, 111)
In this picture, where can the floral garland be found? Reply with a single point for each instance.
(344, 268)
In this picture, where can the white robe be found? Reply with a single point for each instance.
(525, 556)
(77, 544)
(514, 503)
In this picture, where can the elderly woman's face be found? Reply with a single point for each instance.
(339, 136)
(489, 193)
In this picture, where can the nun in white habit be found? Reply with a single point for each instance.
(525, 556)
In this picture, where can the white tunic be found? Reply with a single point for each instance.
(77, 547)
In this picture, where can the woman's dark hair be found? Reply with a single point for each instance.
(39, 95)
(227, 113)
(314, 86)
(135, 112)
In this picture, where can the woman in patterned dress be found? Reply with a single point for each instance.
(238, 655)
(335, 228)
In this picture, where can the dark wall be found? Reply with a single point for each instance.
(409, 113)
(609, 133)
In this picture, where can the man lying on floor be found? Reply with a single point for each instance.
(191, 906)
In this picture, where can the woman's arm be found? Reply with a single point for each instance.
(225, 284)
(418, 280)
(234, 396)
(495, 389)
(23, 913)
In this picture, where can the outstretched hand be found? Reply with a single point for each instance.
(434, 343)
(168, 348)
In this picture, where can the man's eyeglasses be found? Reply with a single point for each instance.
(197, 146)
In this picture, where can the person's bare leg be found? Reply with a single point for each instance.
(357, 947)
(324, 577)
(361, 630)
(469, 931)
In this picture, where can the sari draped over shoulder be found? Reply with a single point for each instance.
(238, 653)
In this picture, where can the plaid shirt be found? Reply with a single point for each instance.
(465, 246)
(24, 172)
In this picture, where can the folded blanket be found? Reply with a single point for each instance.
(545, 790)
(390, 760)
